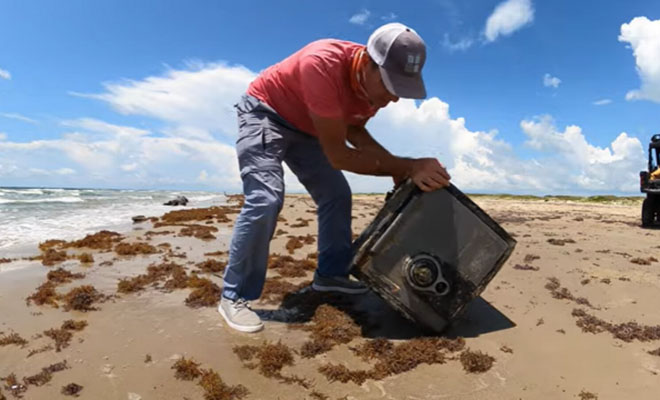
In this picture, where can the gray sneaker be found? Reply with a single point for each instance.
(341, 284)
(239, 316)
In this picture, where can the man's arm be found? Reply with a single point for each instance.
(370, 158)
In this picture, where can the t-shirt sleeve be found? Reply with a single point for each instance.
(319, 90)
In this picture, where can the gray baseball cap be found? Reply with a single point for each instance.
(400, 54)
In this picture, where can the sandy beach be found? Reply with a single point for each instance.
(571, 315)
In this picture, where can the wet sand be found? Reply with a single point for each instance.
(601, 260)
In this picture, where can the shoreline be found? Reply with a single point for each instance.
(133, 340)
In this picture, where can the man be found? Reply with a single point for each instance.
(302, 111)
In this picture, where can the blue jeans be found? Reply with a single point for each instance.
(265, 140)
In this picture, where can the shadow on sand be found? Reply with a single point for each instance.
(378, 319)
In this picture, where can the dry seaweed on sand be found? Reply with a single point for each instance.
(643, 261)
(52, 243)
(45, 294)
(103, 240)
(408, 355)
(290, 267)
(13, 338)
(61, 275)
(216, 389)
(196, 214)
(205, 293)
(584, 395)
(525, 267)
(198, 231)
(275, 289)
(72, 389)
(476, 361)
(154, 274)
(86, 258)
(14, 387)
(132, 249)
(216, 253)
(293, 243)
(62, 336)
(531, 257)
(627, 331)
(186, 370)
(270, 358)
(82, 298)
(337, 372)
(561, 293)
(51, 256)
(560, 242)
(39, 350)
(45, 375)
(211, 266)
(301, 222)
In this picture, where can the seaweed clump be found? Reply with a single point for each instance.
(329, 327)
(213, 386)
(72, 389)
(560, 242)
(205, 293)
(82, 298)
(393, 359)
(198, 231)
(216, 389)
(275, 289)
(271, 359)
(131, 249)
(13, 338)
(525, 267)
(196, 214)
(12, 384)
(51, 256)
(103, 240)
(211, 266)
(562, 293)
(45, 375)
(476, 361)
(627, 331)
(289, 267)
(584, 395)
(186, 370)
(63, 335)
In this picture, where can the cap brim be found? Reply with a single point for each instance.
(405, 86)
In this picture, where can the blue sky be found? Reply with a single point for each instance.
(553, 97)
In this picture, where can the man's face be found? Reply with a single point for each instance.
(378, 94)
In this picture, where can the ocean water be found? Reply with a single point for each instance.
(32, 215)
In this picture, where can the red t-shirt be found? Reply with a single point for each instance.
(316, 79)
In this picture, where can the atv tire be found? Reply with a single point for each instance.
(648, 212)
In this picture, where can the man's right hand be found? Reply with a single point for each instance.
(428, 174)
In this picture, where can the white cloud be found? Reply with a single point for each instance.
(570, 158)
(551, 81)
(3, 136)
(19, 117)
(4, 74)
(96, 153)
(602, 102)
(360, 18)
(389, 17)
(644, 38)
(460, 45)
(196, 102)
(508, 17)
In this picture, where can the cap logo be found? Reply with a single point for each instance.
(413, 63)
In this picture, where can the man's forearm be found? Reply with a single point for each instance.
(370, 158)
(373, 161)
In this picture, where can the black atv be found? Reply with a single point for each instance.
(651, 205)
